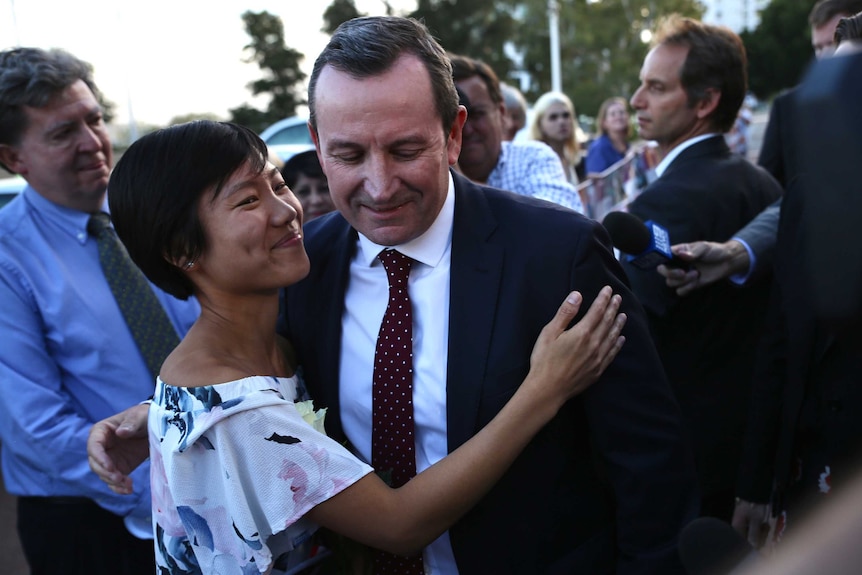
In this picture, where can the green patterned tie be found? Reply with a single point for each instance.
(147, 320)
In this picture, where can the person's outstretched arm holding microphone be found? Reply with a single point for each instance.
(740, 258)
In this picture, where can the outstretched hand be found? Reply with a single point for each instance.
(117, 445)
(752, 521)
(712, 261)
(573, 359)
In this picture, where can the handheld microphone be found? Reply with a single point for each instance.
(709, 546)
(646, 244)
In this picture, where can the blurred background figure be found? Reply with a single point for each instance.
(516, 111)
(529, 168)
(824, 19)
(848, 35)
(737, 137)
(554, 123)
(303, 175)
(612, 143)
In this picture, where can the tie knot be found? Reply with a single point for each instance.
(397, 266)
(98, 223)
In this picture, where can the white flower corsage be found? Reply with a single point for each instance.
(311, 416)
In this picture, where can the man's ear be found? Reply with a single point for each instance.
(456, 133)
(10, 158)
(707, 105)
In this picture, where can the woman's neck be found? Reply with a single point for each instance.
(238, 334)
(619, 141)
(560, 148)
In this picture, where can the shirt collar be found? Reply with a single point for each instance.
(501, 159)
(67, 220)
(428, 248)
(671, 156)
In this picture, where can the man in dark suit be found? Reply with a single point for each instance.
(748, 254)
(805, 441)
(609, 483)
(692, 83)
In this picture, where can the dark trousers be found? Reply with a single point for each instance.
(718, 504)
(74, 536)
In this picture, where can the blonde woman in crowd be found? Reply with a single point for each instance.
(554, 123)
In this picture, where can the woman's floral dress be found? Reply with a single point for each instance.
(234, 467)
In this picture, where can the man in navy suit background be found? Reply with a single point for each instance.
(609, 483)
(693, 82)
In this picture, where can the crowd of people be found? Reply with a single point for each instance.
(410, 349)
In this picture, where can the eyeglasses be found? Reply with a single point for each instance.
(555, 115)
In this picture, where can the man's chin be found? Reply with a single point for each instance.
(94, 185)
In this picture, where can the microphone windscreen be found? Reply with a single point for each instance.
(628, 233)
(709, 546)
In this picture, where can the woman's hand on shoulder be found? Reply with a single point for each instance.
(564, 361)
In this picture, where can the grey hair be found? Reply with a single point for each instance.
(31, 77)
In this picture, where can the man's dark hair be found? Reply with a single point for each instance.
(156, 187)
(31, 78)
(716, 61)
(464, 67)
(849, 28)
(369, 46)
(826, 10)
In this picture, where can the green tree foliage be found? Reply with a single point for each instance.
(601, 49)
(338, 12)
(600, 41)
(282, 77)
(476, 28)
(779, 49)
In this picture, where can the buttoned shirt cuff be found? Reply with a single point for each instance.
(740, 279)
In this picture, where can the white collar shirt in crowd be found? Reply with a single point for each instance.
(364, 305)
(533, 169)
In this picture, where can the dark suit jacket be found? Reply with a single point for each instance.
(792, 344)
(609, 482)
(778, 154)
(707, 339)
(807, 381)
(807, 394)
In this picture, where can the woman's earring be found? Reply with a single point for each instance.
(190, 264)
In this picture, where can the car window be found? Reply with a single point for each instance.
(297, 134)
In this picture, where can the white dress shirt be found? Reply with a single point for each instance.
(364, 305)
(671, 156)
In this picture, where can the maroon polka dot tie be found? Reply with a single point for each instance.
(392, 439)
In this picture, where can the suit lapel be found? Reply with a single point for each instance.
(336, 273)
(476, 271)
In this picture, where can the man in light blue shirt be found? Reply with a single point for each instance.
(526, 168)
(68, 359)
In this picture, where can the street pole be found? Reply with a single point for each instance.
(15, 23)
(554, 33)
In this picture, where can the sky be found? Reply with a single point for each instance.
(157, 59)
